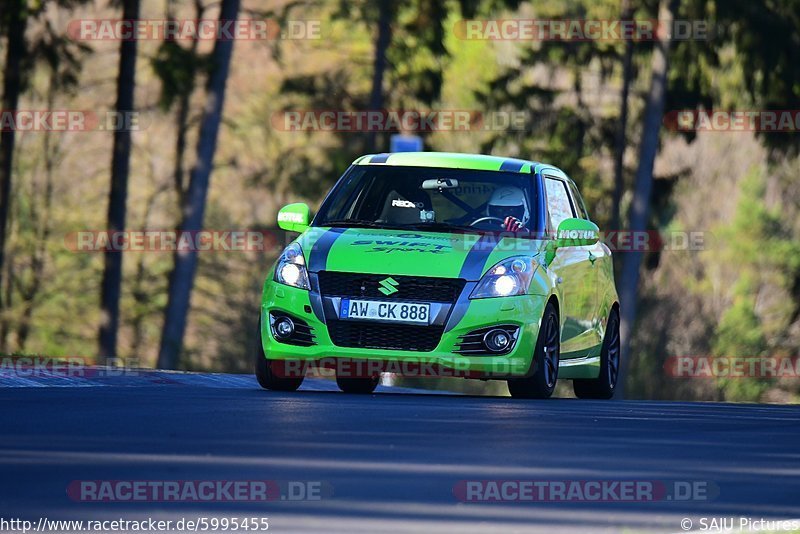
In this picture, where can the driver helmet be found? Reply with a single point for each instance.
(508, 201)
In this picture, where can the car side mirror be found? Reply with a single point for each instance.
(577, 233)
(294, 217)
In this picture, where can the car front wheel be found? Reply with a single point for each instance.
(362, 385)
(542, 383)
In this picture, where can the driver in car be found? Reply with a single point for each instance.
(509, 205)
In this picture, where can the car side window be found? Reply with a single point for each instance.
(558, 203)
(580, 207)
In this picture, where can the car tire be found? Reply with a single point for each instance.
(542, 382)
(358, 384)
(265, 370)
(604, 385)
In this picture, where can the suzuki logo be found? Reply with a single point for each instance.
(388, 286)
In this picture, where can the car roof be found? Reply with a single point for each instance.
(454, 160)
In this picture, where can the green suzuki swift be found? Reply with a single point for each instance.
(438, 264)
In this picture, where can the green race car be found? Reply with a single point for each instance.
(438, 264)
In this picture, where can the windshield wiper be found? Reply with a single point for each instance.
(445, 226)
(361, 223)
(429, 226)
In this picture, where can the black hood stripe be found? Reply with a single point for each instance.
(315, 297)
(477, 256)
(471, 270)
(461, 306)
(318, 255)
(318, 261)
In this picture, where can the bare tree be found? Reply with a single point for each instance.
(182, 277)
(42, 219)
(620, 142)
(385, 13)
(117, 198)
(178, 69)
(640, 207)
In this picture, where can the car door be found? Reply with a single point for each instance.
(600, 259)
(576, 276)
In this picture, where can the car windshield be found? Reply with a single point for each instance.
(434, 199)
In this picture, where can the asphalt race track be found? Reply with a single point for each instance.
(393, 461)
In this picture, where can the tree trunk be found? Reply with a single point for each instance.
(379, 67)
(120, 166)
(42, 217)
(141, 297)
(620, 142)
(15, 50)
(182, 276)
(184, 107)
(640, 207)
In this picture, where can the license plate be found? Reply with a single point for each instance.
(375, 310)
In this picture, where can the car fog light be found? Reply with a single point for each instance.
(284, 328)
(497, 340)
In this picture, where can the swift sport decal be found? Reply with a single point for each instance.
(387, 246)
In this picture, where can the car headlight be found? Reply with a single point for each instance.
(291, 268)
(510, 277)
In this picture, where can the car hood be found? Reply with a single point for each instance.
(410, 253)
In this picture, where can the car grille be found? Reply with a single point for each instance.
(429, 289)
(384, 336)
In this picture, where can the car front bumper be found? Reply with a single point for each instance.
(523, 312)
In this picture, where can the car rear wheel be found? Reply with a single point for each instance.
(542, 383)
(362, 385)
(603, 386)
(266, 370)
